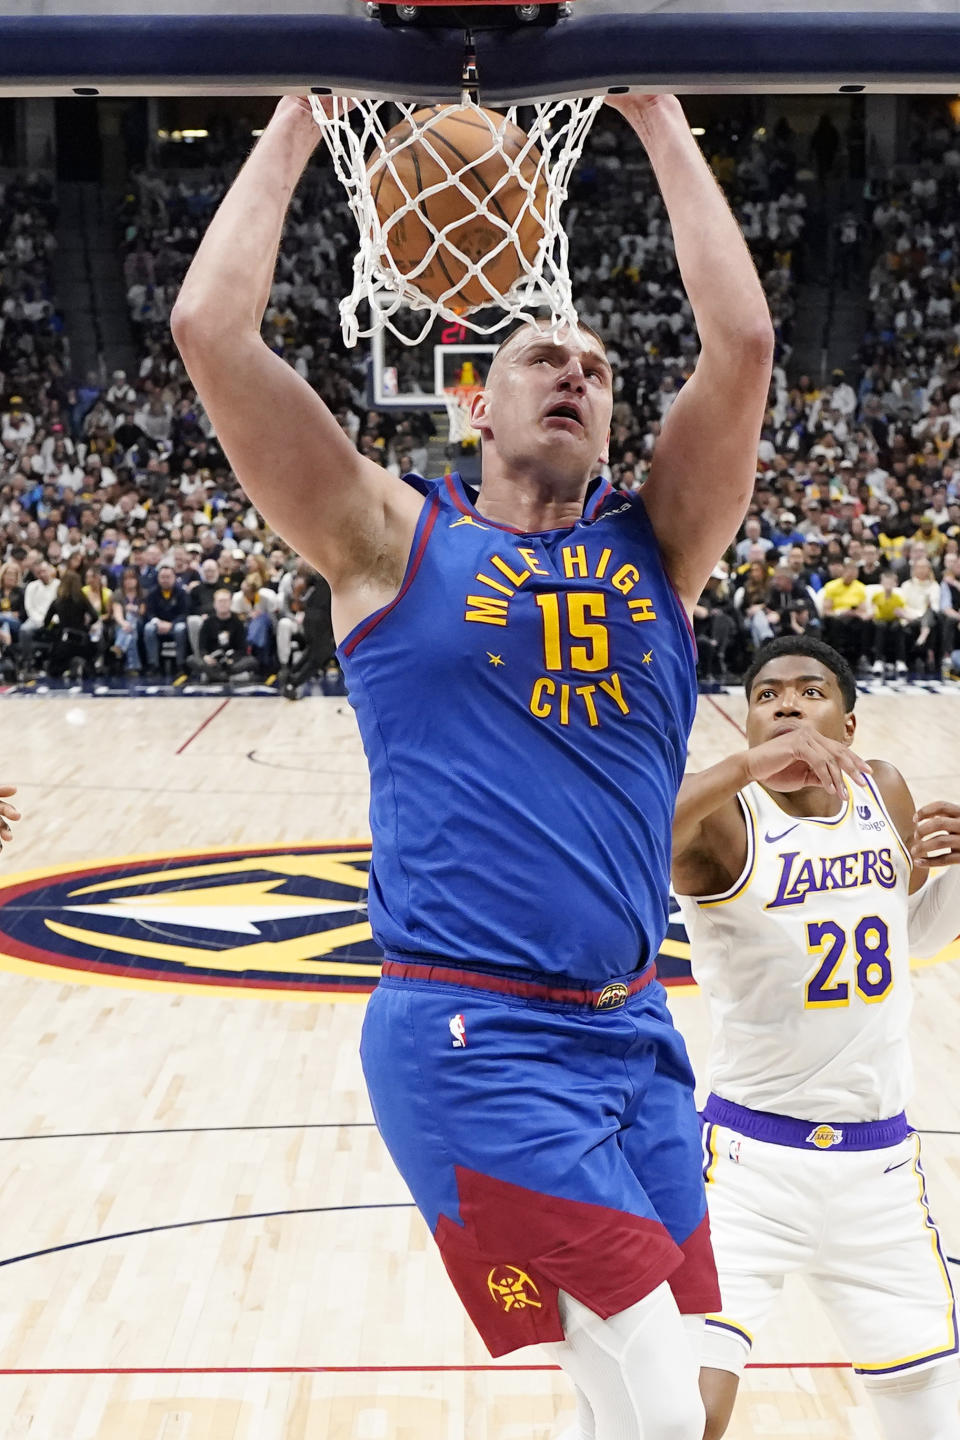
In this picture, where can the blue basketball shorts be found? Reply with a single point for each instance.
(548, 1145)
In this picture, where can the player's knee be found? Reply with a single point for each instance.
(674, 1410)
(636, 1369)
(715, 1426)
(718, 1391)
(924, 1404)
(684, 1418)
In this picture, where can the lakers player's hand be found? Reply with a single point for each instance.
(8, 812)
(803, 758)
(936, 834)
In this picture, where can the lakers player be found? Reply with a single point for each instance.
(7, 813)
(803, 878)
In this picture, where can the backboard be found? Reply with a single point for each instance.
(125, 47)
(421, 377)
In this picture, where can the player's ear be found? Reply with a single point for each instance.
(849, 726)
(479, 411)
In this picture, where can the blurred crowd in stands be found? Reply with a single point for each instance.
(128, 548)
(625, 272)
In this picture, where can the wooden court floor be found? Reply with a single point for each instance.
(202, 1236)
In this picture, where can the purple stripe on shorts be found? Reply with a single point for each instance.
(806, 1134)
(717, 1324)
(933, 1358)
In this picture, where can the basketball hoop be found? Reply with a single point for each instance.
(355, 132)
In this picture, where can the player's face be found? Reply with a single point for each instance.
(548, 397)
(796, 690)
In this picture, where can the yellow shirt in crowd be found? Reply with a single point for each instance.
(845, 597)
(101, 602)
(887, 607)
(892, 545)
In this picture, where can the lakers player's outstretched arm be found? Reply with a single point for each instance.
(346, 515)
(705, 460)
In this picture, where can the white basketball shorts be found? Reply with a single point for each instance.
(854, 1223)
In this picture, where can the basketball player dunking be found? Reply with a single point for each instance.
(7, 813)
(521, 665)
(804, 897)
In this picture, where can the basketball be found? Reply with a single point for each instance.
(460, 143)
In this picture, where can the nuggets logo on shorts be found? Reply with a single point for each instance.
(823, 1136)
(512, 1288)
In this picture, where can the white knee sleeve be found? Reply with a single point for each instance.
(637, 1371)
(583, 1427)
(695, 1326)
(924, 1405)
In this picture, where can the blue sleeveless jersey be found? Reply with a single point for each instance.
(524, 705)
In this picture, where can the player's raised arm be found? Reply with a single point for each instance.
(710, 796)
(705, 460)
(346, 515)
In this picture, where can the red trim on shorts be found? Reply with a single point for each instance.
(504, 985)
(412, 568)
(517, 1248)
(695, 1285)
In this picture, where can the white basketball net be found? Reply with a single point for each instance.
(355, 134)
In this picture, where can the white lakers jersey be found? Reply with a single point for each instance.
(805, 963)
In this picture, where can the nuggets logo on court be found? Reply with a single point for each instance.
(282, 922)
(287, 922)
(513, 1288)
(823, 1136)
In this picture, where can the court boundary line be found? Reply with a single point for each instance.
(192, 1224)
(279, 1125)
(207, 1130)
(210, 718)
(371, 1369)
(729, 718)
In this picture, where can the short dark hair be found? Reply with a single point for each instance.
(817, 650)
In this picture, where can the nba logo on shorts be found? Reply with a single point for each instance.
(459, 1032)
(735, 1148)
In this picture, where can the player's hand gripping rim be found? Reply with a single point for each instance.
(801, 758)
(326, 102)
(7, 813)
(936, 835)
